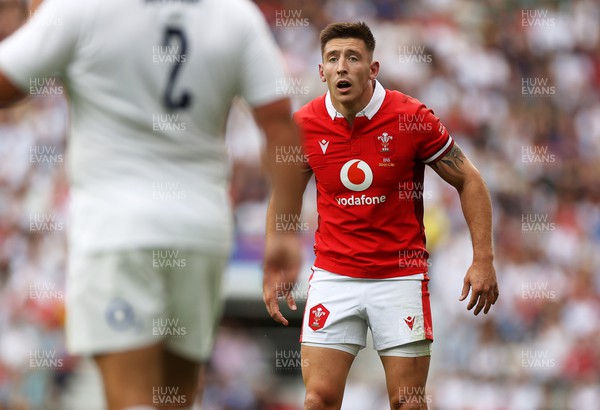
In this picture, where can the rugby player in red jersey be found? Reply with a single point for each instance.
(368, 147)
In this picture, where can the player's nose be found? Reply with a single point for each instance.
(342, 67)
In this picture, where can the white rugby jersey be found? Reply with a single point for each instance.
(150, 84)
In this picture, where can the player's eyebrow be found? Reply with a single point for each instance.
(353, 51)
(337, 51)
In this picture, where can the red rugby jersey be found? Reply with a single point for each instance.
(370, 183)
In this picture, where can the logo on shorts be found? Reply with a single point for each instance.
(119, 315)
(410, 321)
(356, 175)
(318, 316)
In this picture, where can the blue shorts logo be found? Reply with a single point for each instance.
(119, 315)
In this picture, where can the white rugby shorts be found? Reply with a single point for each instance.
(340, 309)
(123, 300)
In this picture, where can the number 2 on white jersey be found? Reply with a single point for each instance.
(184, 100)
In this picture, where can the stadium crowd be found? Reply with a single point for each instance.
(518, 86)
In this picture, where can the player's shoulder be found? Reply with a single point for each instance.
(312, 111)
(234, 6)
(397, 101)
(239, 12)
(233, 13)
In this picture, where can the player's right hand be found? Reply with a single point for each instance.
(281, 268)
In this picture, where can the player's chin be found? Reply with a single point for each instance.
(346, 96)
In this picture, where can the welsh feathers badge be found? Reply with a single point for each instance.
(385, 144)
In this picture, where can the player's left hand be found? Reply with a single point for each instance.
(481, 278)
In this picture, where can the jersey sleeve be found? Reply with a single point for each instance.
(261, 64)
(432, 140)
(44, 45)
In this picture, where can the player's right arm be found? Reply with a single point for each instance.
(261, 66)
(283, 250)
(41, 48)
(9, 93)
(35, 4)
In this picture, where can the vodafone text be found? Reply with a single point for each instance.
(361, 200)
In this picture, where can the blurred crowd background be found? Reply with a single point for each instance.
(517, 84)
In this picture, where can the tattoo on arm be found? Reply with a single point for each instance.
(453, 159)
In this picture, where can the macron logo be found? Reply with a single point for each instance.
(324, 144)
(410, 321)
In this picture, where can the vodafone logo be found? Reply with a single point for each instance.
(356, 175)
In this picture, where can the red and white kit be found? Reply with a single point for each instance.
(369, 181)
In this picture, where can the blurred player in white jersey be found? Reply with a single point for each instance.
(150, 85)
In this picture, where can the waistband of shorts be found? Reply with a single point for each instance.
(325, 274)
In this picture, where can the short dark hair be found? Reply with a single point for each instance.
(358, 30)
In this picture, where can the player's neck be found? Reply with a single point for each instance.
(352, 108)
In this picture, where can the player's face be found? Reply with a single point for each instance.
(349, 70)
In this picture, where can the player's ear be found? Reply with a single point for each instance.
(321, 73)
(374, 70)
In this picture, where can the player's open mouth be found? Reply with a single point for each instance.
(343, 86)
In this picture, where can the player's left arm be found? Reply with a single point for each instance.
(9, 93)
(456, 169)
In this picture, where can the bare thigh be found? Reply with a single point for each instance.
(324, 372)
(405, 379)
(130, 376)
(149, 376)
